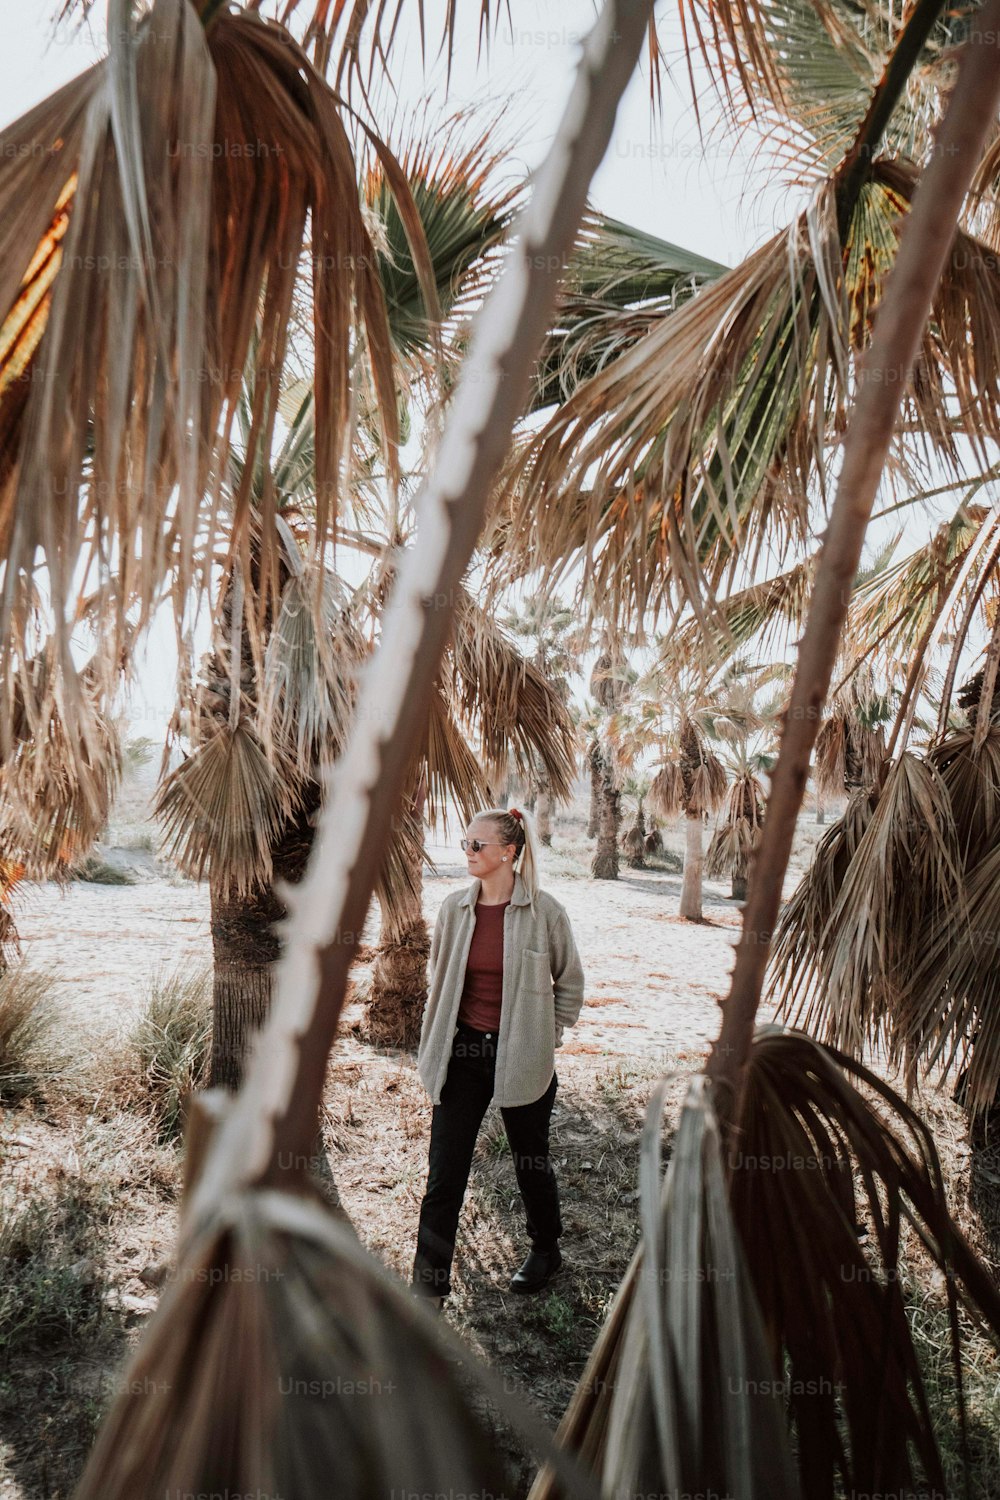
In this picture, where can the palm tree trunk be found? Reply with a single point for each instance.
(399, 976)
(739, 892)
(694, 860)
(605, 865)
(244, 947)
(543, 807)
(593, 822)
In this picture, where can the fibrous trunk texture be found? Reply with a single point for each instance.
(694, 860)
(399, 975)
(605, 865)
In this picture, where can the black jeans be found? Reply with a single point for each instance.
(455, 1124)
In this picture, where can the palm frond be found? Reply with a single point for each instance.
(666, 791)
(451, 769)
(328, 1343)
(694, 1405)
(58, 782)
(805, 917)
(518, 713)
(768, 614)
(120, 447)
(732, 845)
(904, 877)
(815, 1162)
(700, 441)
(223, 808)
(619, 281)
(462, 221)
(971, 776)
(307, 692)
(954, 1013)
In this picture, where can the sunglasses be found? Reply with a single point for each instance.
(476, 844)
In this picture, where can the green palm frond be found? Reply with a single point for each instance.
(619, 282)
(462, 219)
(307, 692)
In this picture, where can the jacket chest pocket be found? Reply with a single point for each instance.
(536, 974)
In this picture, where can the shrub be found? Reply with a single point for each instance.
(97, 871)
(167, 1053)
(30, 1056)
(53, 1287)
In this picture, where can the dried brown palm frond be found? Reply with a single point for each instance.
(311, 1349)
(954, 1015)
(448, 765)
(768, 614)
(814, 1161)
(905, 877)
(609, 679)
(223, 807)
(679, 1395)
(59, 779)
(732, 845)
(850, 754)
(213, 149)
(797, 952)
(758, 1346)
(893, 606)
(702, 772)
(666, 790)
(707, 786)
(695, 1405)
(700, 442)
(970, 773)
(516, 712)
(351, 38)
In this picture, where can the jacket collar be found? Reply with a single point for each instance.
(519, 896)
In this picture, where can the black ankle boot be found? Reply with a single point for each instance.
(537, 1270)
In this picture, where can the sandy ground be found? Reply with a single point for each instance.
(653, 982)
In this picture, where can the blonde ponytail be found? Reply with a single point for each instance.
(518, 830)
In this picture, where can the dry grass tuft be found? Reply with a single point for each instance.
(31, 1054)
(167, 1053)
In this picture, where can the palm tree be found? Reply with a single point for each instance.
(635, 790)
(554, 632)
(702, 433)
(690, 781)
(732, 845)
(268, 720)
(746, 723)
(609, 680)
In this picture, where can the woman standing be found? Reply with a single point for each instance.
(505, 979)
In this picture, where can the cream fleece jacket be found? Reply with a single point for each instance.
(542, 992)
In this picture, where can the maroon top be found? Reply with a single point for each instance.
(483, 988)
